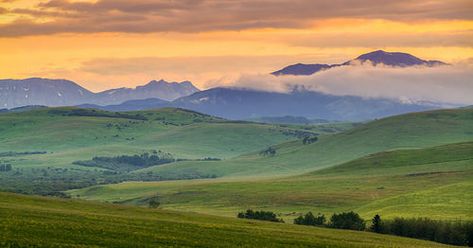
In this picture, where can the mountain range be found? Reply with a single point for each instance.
(59, 92)
(244, 104)
(230, 103)
(379, 57)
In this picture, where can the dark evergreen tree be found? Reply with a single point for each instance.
(376, 225)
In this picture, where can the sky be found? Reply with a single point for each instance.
(106, 44)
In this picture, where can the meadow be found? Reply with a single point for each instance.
(413, 165)
(30, 221)
(392, 184)
(42, 144)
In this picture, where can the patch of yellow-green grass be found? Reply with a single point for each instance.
(42, 222)
(365, 185)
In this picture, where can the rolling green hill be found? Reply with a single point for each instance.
(394, 183)
(42, 144)
(28, 221)
(415, 130)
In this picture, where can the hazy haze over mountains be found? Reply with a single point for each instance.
(313, 96)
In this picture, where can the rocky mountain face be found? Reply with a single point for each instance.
(154, 89)
(38, 91)
(53, 92)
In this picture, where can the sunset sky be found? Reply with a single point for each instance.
(114, 43)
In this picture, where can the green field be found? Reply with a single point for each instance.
(28, 221)
(66, 135)
(416, 130)
(396, 183)
(413, 165)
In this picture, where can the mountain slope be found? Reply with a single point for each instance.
(44, 222)
(301, 69)
(52, 92)
(393, 59)
(396, 59)
(154, 89)
(233, 103)
(39, 91)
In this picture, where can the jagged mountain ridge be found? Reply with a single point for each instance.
(59, 92)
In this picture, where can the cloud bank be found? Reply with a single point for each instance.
(141, 16)
(450, 85)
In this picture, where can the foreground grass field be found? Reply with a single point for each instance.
(395, 183)
(27, 221)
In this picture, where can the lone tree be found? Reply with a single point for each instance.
(376, 225)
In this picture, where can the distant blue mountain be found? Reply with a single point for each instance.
(132, 105)
(154, 89)
(59, 92)
(244, 104)
(395, 59)
(301, 69)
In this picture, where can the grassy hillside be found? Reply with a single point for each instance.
(42, 144)
(173, 130)
(394, 183)
(415, 130)
(42, 222)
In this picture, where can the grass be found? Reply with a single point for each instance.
(415, 130)
(28, 221)
(171, 130)
(419, 164)
(72, 134)
(395, 183)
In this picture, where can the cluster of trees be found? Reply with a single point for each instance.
(310, 220)
(96, 113)
(268, 152)
(309, 140)
(5, 167)
(348, 220)
(448, 232)
(128, 162)
(11, 154)
(259, 215)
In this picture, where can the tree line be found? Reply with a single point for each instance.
(442, 231)
(128, 162)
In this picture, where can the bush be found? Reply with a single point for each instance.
(349, 220)
(309, 140)
(268, 152)
(259, 215)
(310, 220)
(153, 202)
